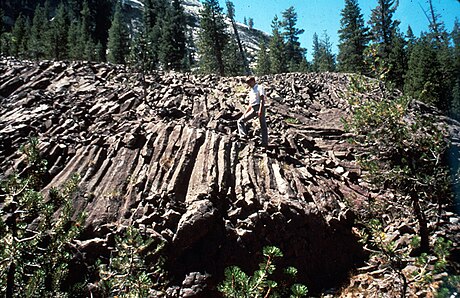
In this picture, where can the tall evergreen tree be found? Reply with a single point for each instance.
(190, 52)
(251, 23)
(172, 48)
(85, 40)
(353, 39)
(74, 8)
(6, 38)
(411, 40)
(139, 58)
(149, 16)
(20, 33)
(291, 33)
(74, 48)
(316, 53)
(328, 56)
(153, 20)
(388, 41)
(231, 16)
(263, 60)
(424, 71)
(323, 58)
(57, 33)
(455, 104)
(383, 26)
(232, 59)
(277, 49)
(102, 21)
(2, 14)
(118, 43)
(397, 59)
(5, 41)
(431, 72)
(37, 42)
(212, 38)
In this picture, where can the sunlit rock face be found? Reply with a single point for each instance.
(164, 155)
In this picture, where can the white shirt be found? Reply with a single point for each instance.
(255, 93)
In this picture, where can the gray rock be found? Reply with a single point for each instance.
(169, 162)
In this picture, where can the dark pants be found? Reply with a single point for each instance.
(242, 129)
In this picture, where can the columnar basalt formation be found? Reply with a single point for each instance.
(163, 154)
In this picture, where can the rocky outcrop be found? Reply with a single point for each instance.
(164, 155)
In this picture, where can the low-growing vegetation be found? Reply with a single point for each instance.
(402, 151)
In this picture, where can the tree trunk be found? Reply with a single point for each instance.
(12, 268)
(10, 280)
(240, 46)
(422, 223)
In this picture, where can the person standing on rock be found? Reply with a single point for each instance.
(256, 99)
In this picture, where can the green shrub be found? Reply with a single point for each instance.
(403, 151)
(35, 233)
(238, 284)
(127, 274)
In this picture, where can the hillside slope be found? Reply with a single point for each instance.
(166, 158)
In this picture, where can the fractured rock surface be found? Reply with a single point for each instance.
(164, 155)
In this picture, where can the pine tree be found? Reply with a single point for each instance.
(153, 19)
(328, 58)
(432, 80)
(353, 39)
(101, 22)
(455, 103)
(251, 23)
(397, 59)
(424, 71)
(440, 40)
(35, 238)
(6, 38)
(410, 41)
(20, 34)
(212, 38)
(36, 42)
(139, 58)
(85, 41)
(75, 49)
(232, 59)
(57, 33)
(74, 7)
(263, 60)
(190, 51)
(2, 14)
(316, 52)
(383, 26)
(231, 16)
(172, 48)
(323, 58)
(410, 37)
(385, 35)
(277, 50)
(118, 38)
(291, 34)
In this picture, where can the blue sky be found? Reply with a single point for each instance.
(319, 15)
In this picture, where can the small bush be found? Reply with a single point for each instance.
(238, 284)
(35, 233)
